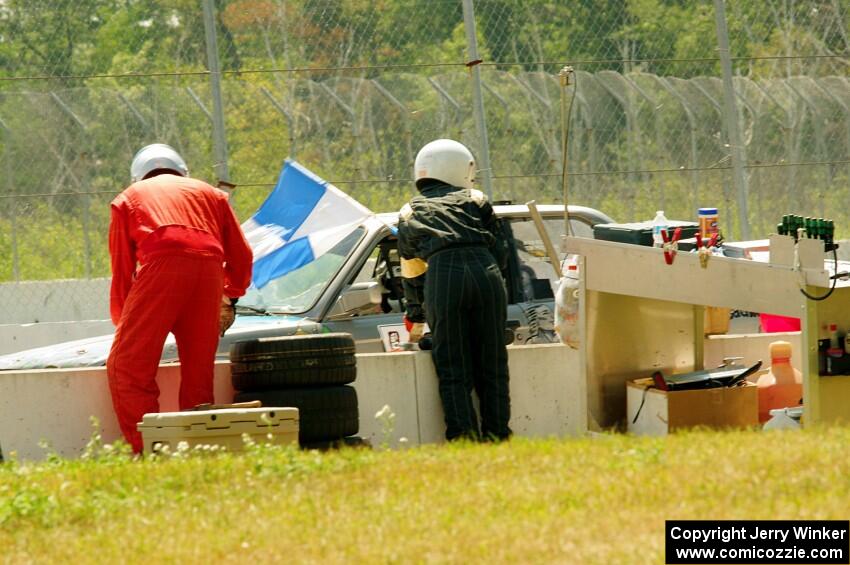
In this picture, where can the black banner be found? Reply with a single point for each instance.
(757, 541)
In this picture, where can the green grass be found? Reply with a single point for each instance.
(572, 501)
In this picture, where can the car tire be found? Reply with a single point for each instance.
(293, 361)
(284, 373)
(265, 348)
(325, 413)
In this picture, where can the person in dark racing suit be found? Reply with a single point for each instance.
(452, 250)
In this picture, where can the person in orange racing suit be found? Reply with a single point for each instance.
(193, 262)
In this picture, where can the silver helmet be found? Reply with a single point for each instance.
(157, 156)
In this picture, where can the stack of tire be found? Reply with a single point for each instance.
(308, 372)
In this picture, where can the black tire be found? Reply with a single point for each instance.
(293, 361)
(285, 373)
(325, 413)
(271, 348)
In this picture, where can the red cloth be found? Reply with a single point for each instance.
(176, 294)
(191, 250)
(170, 214)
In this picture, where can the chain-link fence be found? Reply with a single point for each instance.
(352, 89)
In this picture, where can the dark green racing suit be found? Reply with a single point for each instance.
(453, 248)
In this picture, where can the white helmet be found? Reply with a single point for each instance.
(157, 156)
(445, 160)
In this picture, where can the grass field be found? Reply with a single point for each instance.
(601, 500)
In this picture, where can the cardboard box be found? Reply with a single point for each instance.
(665, 412)
(219, 427)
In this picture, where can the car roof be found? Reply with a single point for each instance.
(502, 210)
(514, 211)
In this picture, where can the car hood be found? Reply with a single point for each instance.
(93, 351)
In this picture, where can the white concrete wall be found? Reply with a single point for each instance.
(18, 337)
(56, 405)
(546, 396)
(54, 301)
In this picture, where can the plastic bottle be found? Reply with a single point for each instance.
(567, 306)
(784, 419)
(782, 386)
(659, 223)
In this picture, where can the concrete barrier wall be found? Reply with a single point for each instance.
(18, 337)
(547, 398)
(55, 406)
(54, 301)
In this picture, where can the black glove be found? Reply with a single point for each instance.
(426, 343)
(415, 313)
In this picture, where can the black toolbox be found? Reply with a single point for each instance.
(640, 233)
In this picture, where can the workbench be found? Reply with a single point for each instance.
(638, 315)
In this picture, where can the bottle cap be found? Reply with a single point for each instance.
(780, 349)
(661, 212)
(707, 211)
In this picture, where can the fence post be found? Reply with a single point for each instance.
(478, 99)
(83, 187)
(219, 135)
(13, 199)
(730, 112)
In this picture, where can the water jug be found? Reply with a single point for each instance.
(782, 386)
(567, 306)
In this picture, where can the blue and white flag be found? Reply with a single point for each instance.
(303, 218)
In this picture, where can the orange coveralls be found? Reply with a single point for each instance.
(190, 250)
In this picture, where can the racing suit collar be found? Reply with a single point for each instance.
(433, 187)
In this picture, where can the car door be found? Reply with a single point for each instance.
(379, 265)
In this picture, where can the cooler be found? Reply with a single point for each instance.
(640, 233)
(219, 427)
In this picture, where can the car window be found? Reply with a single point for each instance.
(297, 291)
(537, 277)
(384, 266)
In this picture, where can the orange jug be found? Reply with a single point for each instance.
(782, 386)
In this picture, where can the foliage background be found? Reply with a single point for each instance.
(360, 85)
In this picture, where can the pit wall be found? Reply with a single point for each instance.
(55, 406)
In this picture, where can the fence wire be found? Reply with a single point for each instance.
(352, 89)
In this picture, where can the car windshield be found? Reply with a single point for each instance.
(297, 291)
